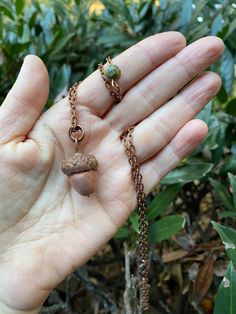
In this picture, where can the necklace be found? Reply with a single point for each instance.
(82, 171)
(81, 168)
(110, 74)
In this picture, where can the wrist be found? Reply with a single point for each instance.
(4, 309)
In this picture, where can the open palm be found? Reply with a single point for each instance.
(47, 230)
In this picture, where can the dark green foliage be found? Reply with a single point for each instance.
(72, 41)
(226, 295)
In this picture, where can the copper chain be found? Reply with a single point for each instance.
(143, 222)
(127, 140)
(75, 127)
(142, 260)
(111, 85)
(72, 101)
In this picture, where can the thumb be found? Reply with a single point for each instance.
(25, 101)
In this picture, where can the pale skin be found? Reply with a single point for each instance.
(47, 230)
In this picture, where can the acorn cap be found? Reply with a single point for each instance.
(79, 163)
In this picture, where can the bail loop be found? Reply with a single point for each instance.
(75, 129)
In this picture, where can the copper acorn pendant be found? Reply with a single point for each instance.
(82, 172)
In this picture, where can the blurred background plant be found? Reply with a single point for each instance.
(188, 259)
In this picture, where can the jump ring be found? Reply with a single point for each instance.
(75, 129)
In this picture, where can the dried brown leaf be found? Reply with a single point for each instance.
(177, 272)
(173, 256)
(203, 280)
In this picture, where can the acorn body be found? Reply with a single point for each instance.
(82, 172)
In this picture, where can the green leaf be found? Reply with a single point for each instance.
(223, 194)
(233, 148)
(227, 70)
(217, 25)
(187, 173)
(144, 9)
(231, 107)
(61, 44)
(227, 214)
(199, 31)
(225, 302)
(134, 221)
(19, 6)
(232, 27)
(60, 80)
(222, 95)
(200, 4)
(4, 8)
(1, 27)
(111, 39)
(163, 4)
(162, 200)
(228, 237)
(166, 227)
(125, 11)
(229, 165)
(205, 113)
(232, 181)
(122, 233)
(186, 14)
(215, 133)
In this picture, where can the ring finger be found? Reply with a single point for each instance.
(157, 130)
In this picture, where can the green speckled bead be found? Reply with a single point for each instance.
(112, 72)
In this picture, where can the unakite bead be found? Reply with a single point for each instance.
(112, 72)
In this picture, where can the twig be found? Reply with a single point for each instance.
(96, 291)
(55, 307)
(131, 288)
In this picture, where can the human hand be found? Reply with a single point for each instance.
(47, 230)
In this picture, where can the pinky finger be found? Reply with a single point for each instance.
(184, 142)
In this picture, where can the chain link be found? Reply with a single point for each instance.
(142, 260)
(75, 127)
(72, 100)
(143, 222)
